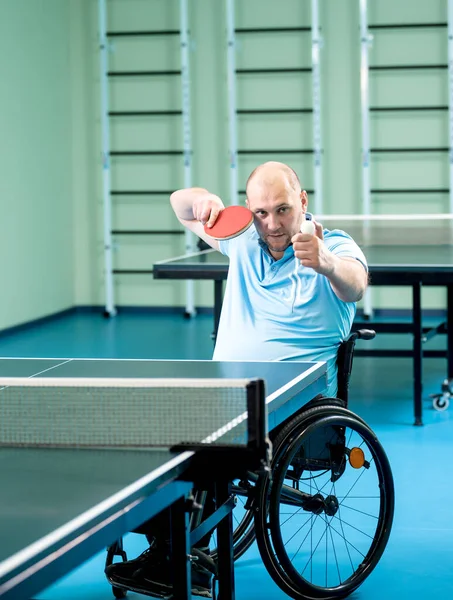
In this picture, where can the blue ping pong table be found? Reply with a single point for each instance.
(414, 266)
(61, 505)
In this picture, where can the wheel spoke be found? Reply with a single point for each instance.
(359, 511)
(302, 542)
(358, 497)
(300, 529)
(347, 543)
(353, 527)
(310, 560)
(353, 486)
(293, 514)
(335, 554)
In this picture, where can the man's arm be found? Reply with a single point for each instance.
(348, 276)
(195, 207)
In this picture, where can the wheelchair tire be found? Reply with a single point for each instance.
(273, 493)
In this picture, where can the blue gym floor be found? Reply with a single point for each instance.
(418, 561)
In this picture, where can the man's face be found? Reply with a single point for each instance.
(278, 213)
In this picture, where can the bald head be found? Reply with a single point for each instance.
(272, 177)
(275, 197)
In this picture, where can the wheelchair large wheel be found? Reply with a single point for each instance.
(324, 517)
(245, 490)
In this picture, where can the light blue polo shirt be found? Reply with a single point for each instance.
(281, 310)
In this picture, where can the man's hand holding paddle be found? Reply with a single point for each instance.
(206, 208)
(205, 214)
(219, 222)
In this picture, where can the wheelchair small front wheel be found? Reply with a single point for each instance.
(116, 549)
(326, 514)
(119, 592)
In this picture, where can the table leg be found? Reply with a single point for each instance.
(180, 550)
(225, 545)
(450, 331)
(417, 351)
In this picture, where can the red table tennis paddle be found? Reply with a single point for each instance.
(232, 221)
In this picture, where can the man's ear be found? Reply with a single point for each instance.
(247, 203)
(304, 199)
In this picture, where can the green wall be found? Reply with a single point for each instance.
(36, 221)
(50, 153)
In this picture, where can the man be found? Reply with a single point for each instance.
(289, 296)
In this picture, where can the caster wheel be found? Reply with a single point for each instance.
(441, 402)
(116, 549)
(119, 592)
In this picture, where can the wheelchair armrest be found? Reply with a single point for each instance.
(360, 334)
(346, 351)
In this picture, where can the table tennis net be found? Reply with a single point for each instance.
(123, 412)
(393, 229)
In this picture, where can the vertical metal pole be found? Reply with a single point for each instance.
(450, 94)
(187, 138)
(180, 549)
(231, 82)
(108, 259)
(225, 563)
(450, 116)
(364, 98)
(316, 94)
(218, 300)
(450, 331)
(417, 351)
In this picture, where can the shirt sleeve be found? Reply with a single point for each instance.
(235, 244)
(341, 244)
(224, 247)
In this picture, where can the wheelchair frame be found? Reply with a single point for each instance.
(266, 492)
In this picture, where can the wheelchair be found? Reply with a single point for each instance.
(322, 515)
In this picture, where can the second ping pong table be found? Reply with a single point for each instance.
(61, 505)
(389, 264)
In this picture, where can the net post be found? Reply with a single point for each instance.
(257, 419)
